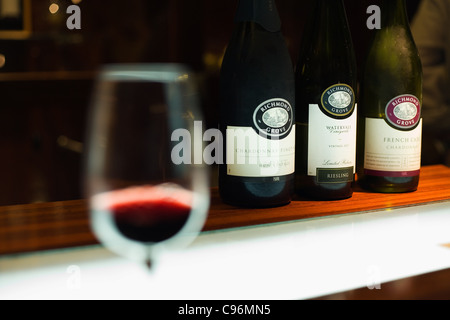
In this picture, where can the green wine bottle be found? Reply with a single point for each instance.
(257, 110)
(390, 124)
(326, 115)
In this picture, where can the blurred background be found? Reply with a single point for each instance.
(47, 73)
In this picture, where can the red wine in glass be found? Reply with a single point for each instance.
(142, 202)
(148, 214)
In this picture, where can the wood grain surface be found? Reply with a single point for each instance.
(45, 226)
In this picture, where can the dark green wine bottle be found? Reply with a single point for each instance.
(257, 110)
(391, 97)
(326, 114)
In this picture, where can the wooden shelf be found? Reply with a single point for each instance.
(434, 186)
(46, 226)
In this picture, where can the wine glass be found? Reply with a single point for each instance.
(142, 199)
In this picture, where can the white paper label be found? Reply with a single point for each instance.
(331, 142)
(251, 155)
(391, 150)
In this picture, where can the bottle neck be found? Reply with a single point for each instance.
(262, 12)
(329, 14)
(394, 12)
(328, 23)
(329, 5)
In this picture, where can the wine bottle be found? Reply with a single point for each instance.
(257, 97)
(391, 99)
(326, 109)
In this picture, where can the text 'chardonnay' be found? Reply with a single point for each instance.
(257, 110)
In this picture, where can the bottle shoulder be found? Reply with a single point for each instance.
(394, 50)
(257, 49)
(327, 54)
(319, 72)
(396, 38)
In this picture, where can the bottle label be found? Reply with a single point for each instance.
(274, 118)
(331, 145)
(403, 112)
(268, 148)
(338, 101)
(392, 152)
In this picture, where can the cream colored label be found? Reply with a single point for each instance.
(391, 150)
(252, 155)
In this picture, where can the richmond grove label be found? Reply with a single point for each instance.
(391, 152)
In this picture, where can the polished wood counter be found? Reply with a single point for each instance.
(46, 226)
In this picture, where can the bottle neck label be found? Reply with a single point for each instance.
(338, 101)
(403, 112)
